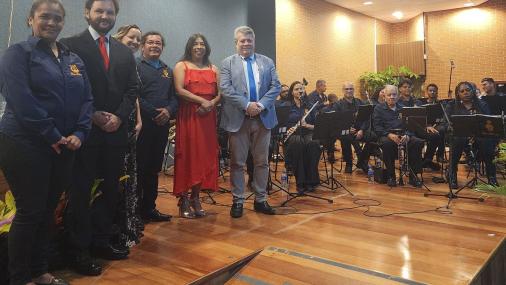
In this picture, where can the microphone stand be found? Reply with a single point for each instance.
(452, 66)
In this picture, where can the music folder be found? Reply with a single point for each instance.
(364, 113)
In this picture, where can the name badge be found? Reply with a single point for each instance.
(74, 71)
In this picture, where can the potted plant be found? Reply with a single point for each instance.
(374, 81)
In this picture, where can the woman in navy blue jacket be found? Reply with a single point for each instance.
(47, 117)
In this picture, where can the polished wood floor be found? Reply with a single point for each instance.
(392, 232)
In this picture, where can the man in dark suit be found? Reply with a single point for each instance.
(111, 69)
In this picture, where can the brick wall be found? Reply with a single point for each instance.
(316, 39)
(475, 38)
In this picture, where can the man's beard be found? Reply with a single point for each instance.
(95, 24)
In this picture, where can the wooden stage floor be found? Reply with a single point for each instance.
(386, 234)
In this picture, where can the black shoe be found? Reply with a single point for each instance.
(236, 210)
(110, 253)
(300, 190)
(391, 182)
(155, 216)
(348, 168)
(84, 265)
(264, 207)
(430, 164)
(493, 181)
(414, 181)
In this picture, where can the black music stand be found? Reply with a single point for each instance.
(328, 127)
(364, 113)
(291, 196)
(279, 131)
(415, 121)
(476, 126)
(497, 104)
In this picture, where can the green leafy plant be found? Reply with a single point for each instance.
(7, 212)
(501, 161)
(374, 81)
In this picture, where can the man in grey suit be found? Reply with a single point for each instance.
(249, 85)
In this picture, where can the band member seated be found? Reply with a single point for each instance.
(467, 103)
(386, 119)
(302, 153)
(318, 95)
(350, 103)
(434, 134)
(405, 98)
(489, 87)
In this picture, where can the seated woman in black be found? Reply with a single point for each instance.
(467, 103)
(302, 153)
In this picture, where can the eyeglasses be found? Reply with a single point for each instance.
(349, 88)
(464, 90)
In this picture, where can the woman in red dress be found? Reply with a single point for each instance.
(196, 152)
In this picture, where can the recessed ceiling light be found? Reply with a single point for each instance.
(469, 4)
(367, 3)
(398, 14)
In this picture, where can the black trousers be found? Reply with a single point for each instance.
(434, 141)
(85, 225)
(390, 153)
(483, 149)
(150, 150)
(37, 176)
(302, 154)
(346, 142)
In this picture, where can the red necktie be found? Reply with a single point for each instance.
(103, 51)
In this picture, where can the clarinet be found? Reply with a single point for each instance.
(290, 133)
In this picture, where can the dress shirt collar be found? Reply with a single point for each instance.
(95, 35)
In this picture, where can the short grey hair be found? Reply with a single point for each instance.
(388, 88)
(245, 30)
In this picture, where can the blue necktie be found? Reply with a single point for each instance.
(251, 81)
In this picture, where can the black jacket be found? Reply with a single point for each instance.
(114, 90)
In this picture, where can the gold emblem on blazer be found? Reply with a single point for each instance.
(165, 73)
(74, 71)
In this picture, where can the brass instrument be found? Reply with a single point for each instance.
(291, 131)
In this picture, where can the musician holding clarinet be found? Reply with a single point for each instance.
(302, 153)
(386, 121)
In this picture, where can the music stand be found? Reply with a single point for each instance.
(415, 121)
(328, 127)
(497, 104)
(364, 113)
(291, 196)
(476, 126)
(279, 131)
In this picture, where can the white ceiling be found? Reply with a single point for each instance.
(383, 9)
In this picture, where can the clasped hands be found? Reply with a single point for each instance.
(398, 139)
(205, 107)
(253, 109)
(71, 142)
(106, 121)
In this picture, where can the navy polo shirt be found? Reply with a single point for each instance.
(156, 88)
(386, 119)
(47, 97)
